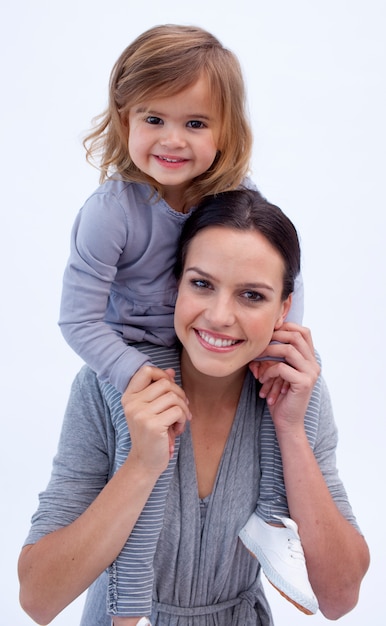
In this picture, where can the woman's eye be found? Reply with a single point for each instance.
(196, 124)
(152, 119)
(252, 296)
(200, 283)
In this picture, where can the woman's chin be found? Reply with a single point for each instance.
(217, 369)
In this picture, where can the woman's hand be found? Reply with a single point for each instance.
(272, 387)
(298, 373)
(156, 411)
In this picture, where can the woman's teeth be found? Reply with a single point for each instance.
(217, 342)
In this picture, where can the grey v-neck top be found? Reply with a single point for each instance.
(203, 574)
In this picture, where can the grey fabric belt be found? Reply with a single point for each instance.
(188, 611)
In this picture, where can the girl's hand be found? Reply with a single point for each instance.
(299, 371)
(156, 411)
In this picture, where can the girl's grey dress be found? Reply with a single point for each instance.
(203, 575)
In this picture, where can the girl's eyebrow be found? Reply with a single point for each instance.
(200, 116)
(143, 110)
(259, 285)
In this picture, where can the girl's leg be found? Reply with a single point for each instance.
(131, 575)
(273, 499)
(269, 533)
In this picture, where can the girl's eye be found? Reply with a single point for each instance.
(195, 124)
(252, 296)
(152, 119)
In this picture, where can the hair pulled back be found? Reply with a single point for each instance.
(245, 210)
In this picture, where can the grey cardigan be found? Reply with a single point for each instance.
(203, 574)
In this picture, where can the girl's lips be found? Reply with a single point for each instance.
(216, 342)
(170, 161)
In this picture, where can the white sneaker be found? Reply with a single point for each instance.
(282, 560)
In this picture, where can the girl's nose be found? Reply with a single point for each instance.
(172, 138)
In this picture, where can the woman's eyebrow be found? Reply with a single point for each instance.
(248, 285)
(198, 270)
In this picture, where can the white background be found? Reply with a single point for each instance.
(315, 72)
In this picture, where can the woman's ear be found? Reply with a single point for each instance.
(285, 307)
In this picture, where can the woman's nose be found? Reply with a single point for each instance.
(220, 312)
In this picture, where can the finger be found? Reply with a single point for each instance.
(159, 386)
(284, 388)
(144, 377)
(272, 388)
(296, 379)
(279, 371)
(293, 348)
(173, 433)
(170, 401)
(275, 391)
(171, 373)
(304, 331)
(178, 428)
(299, 336)
(266, 386)
(164, 393)
(255, 369)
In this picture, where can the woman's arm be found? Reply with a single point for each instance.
(337, 556)
(61, 565)
(336, 553)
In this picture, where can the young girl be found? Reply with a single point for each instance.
(175, 131)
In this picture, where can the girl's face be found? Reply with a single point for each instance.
(175, 139)
(229, 299)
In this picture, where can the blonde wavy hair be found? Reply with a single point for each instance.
(162, 62)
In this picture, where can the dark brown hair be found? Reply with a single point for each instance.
(245, 210)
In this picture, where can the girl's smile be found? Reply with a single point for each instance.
(229, 299)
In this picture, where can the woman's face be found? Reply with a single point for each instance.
(229, 299)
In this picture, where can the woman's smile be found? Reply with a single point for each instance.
(212, 341)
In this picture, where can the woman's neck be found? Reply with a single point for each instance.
(208, 394)
(213, 403)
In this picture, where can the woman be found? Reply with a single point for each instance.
(238, 259)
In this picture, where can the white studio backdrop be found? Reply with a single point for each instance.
(315, 73)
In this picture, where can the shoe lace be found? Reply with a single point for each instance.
(295, 549)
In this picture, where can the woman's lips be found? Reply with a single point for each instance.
(216, 341)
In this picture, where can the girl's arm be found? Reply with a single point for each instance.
(99, 237)
(336, 553)
(62, 564)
